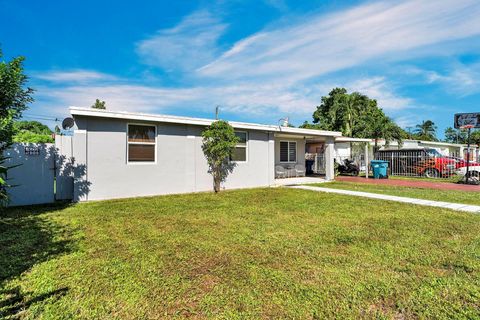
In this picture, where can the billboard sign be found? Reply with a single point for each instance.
(462, 120)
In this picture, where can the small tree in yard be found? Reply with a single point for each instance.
(14, 99)
(219, 141)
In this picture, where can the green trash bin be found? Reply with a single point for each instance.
(379, 168)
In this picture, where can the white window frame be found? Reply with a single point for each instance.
(142, 143)
(288, 151)
(245, 146)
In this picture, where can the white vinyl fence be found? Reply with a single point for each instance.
(44, 173)
(317, 161)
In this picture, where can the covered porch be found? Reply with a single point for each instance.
(358, 150)
(303, 156)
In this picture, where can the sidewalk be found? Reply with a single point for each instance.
(430, 203)
(412, 183)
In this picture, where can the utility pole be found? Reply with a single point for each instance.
(467, 175)
(216, 112)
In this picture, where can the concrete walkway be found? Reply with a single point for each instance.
(430, 203)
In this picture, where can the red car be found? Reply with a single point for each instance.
(460, 163)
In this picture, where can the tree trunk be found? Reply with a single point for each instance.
(216, 184)
(216, 181)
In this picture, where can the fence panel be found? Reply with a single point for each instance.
(44, 174)
(34, 178)
(419, 163)
(318, 165)
(64, 168)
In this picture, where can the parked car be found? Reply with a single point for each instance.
(459, 163)
(417, 162)
(474, 171)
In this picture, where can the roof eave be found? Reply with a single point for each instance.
(75, 111)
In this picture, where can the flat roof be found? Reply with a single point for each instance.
(90, 112)
(350, 139)
(434, 143)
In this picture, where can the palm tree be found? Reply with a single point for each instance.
(426, 131)
(350, 106)
(383, 127)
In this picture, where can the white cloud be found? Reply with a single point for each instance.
(459, 79)
(330, 43)
(378, 88)
(281, 71)
(188, 45)
(73, 76)
(408, 121)
(266, 102)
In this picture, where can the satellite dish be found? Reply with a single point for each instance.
(67, 123)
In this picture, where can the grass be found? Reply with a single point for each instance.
(420, 193)
(247, 254)
(450, 179)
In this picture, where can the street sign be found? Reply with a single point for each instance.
(462, 120)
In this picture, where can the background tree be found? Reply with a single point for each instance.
(355, 115)
(379, 126)
(427, 130)
(219, 141)
(474, 137)
(99, 105)
(308, 125)
(455, 136)
(14, 99)
(32, 132)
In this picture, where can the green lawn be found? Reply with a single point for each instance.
(249, 254)
(420, 193)
(451, 179)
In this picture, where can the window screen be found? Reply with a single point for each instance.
(240, 151)
(141, 143)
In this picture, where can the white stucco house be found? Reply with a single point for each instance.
(135, 154)
(445, 148)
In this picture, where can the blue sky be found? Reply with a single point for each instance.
(259, 60)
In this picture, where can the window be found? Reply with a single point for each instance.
(240, 151)
(141, 143)
(288, 151)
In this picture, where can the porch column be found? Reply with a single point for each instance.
(461, 153)
(366, 160)
(329, 156)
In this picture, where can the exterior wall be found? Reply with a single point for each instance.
(300, 151)
(317, 147)
(343, 150)
(258, 169)
(101, 144)
(446, 150)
